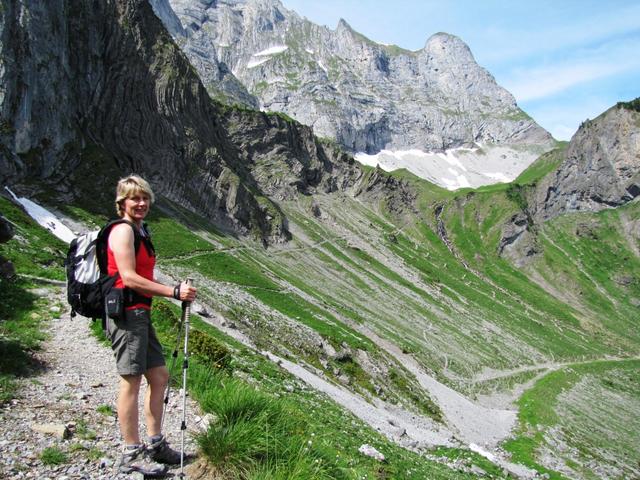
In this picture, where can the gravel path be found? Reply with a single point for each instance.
(75, 388)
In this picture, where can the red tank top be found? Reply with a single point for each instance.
(145, 263)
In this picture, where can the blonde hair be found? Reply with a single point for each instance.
(130, 186)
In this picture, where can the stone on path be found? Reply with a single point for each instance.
(56, 429)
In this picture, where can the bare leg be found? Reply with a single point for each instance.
(128, 408)
(157, 379)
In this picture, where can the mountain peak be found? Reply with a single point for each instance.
(443, 43)
(369, 97)
(343, 25)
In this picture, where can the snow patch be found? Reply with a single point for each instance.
(450, 157)
(481, 451)
(45, 218)
(271, 51)
(254, 63)
(456, 168)
(499, 176)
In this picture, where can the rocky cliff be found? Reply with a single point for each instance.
(365, 95)
(601, 168)
(7, 269)
(93, 91)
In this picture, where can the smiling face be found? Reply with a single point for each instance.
(136, 207)
(133, 198)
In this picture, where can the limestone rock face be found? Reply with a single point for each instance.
(163, 10)
(601, 168)
(93, 91)
(365, 95)
(35, 86)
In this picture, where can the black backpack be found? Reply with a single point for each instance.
(86, 266)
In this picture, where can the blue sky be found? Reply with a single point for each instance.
(563, 60)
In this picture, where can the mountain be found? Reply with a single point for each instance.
(598, 170)
(493, 320)
(127, 99)
(601, 168)
(367, 96)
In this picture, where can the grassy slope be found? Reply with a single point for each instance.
(459, 313)
(24, 308)
(356, 266)
(272, 424)
(360, 266)
(335, 435)
(585, 416)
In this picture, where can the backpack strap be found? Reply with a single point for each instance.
(131, 296)
(145, 237)
(103, 238)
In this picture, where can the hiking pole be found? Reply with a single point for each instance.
(174, 360)
(186, 313)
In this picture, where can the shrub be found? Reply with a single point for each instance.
(53, 456)
(516, 194)
(632, 105)
(209, 349)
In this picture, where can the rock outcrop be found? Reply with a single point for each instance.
(7, 269)
(365, 95)
(600, 170)
(601, 167)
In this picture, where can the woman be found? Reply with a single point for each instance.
(136, 348)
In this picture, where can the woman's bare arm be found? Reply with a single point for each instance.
(121, 240)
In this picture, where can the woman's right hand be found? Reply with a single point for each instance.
(187, 292)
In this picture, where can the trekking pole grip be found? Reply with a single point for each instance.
(185, 304)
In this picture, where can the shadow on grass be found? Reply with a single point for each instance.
(14, 359)
(20, 335)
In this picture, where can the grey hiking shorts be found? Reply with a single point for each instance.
(134, 342)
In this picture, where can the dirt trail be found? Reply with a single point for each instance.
(76, 389)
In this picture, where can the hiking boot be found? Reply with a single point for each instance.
(139, 460)
(161, 452)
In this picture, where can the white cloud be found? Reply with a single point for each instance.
(607, 60)
(543, 82)
(591, 26)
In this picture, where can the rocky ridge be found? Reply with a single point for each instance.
(600, 170)
(601, 167)
(365, 95)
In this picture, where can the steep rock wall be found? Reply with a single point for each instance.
(601, 167)
(600, 170)
(84, 77)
